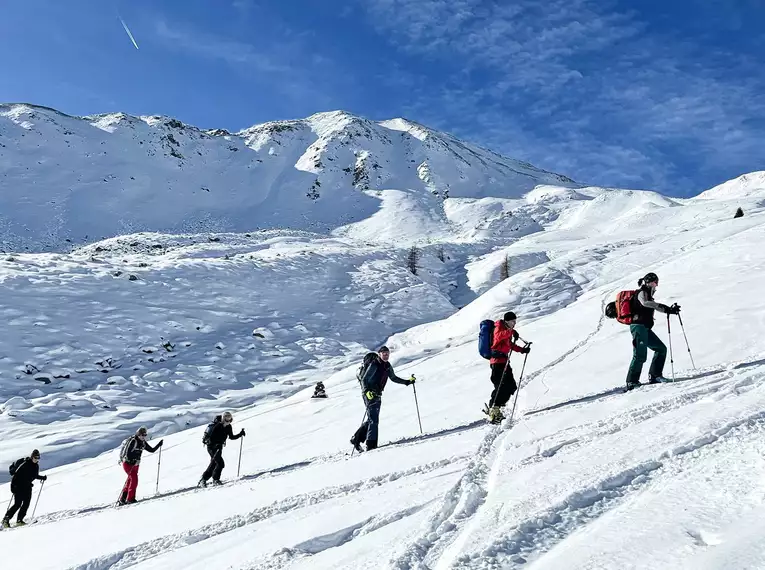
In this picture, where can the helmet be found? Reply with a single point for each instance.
(649, 278)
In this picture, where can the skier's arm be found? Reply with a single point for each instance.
(646, 302)
(230, 433)
(151, 449)
(393, 378)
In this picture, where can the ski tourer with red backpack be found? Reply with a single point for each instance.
(636, 308)
(495, 342)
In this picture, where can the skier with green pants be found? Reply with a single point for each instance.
(643, 338)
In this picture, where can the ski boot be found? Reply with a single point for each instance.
(633, 385)
(6, 523)
(357, 446)
(20, 523)
(216, 483)
(202, 484)
(658, 380)
(495, 415)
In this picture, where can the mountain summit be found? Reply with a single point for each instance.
(80, 179)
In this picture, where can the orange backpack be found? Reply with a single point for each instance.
(621, 309)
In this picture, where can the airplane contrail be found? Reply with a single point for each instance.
(124, 25)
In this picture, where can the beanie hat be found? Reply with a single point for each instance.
(509, 316)
(142, 431)
(384, 348)
(35, 453)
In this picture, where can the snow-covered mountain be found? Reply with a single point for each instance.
(167, 328)
(71, 180)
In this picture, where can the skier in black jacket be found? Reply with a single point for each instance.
(27, 470)
(215, 438)
(373, 380)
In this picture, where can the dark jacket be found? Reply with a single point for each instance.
(220, 433)
(377, 375)
(135, 449)
(26, 473)
(643, 307)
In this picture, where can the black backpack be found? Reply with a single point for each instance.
(209, 429)
(368, 359)
(15, 466)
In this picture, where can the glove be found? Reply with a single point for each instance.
(412, 380)
(44, 478)
(516, 336)
(161, 443)
(370, 395)
(241, 432)
(674, 309)
(526, 349)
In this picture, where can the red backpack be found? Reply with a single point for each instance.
(621, 309)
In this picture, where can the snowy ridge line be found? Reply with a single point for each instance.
(319, 544)
(464, 499)
(275, 471)
(542, 531)
(150, 549)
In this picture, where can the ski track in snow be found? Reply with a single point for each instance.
(539, 533)
(464, 499)
(319, 544)
(326, 458)
(142, 552)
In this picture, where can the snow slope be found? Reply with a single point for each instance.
(71, 180)
(669, 476)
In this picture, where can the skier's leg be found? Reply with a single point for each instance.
(126, 467)
(659, 355)
(639, 353)
(373, 421)
(361, 433)
(212, 452)
(14, 507)
(219, 465)
(132, 483)
(506, 389)
(497, 371)
(26, 500)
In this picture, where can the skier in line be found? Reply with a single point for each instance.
(643, 338)
(130, 458)
(373, 379)
(25, 471)
(502, 378)
(215, 438)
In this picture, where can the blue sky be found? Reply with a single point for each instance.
(665, 95)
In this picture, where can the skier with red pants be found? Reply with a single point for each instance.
(130, 458)
(505, 336)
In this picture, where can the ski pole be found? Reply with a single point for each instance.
(238, 467)
(686, 340)
(417, 406)
(363, 419)
(671, 357)
(520, 381)
(38, 500)
(159, 462)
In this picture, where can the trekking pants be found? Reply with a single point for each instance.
(215, 468)
(21, 501)
(644, 338)
(503, 388)
(131, 484)
(368, 430)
